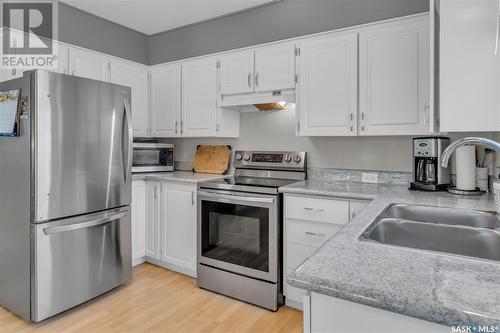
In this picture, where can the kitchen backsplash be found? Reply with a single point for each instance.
(343, 175)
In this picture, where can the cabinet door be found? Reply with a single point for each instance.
(88, 64)
(9, 74)
(178, 226)
(152, 220)
(63, 59)
(469, 77)
(135, 77)
(237, 71)
(166, 100)
(199, 97)
(394, 79)
(327, 86)
(275, 68)
(138, 219)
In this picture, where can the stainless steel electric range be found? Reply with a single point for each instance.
(240, 227)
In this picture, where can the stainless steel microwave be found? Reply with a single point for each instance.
(153, 157)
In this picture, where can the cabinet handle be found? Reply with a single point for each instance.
(217, 128)
(353, 213)
(257, 79)
(156, 192)
(182, 125)
(498, 27)
(351, 116)
(426, 113)
(192, 198)
(316, 210)
(176, 127)
(249, 79)
(316, 234)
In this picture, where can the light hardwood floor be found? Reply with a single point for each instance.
(159, 300)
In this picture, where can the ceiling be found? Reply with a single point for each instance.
(154, 16)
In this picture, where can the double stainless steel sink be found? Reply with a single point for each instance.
(455, 231)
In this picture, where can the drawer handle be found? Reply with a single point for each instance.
(316, 210)
(309, 233)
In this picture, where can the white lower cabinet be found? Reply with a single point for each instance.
(138, 221)
(309, 223)
(178, 227)
(329, 314)
(153, 220)
(170, 224)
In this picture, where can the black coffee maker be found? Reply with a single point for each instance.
(428, 175)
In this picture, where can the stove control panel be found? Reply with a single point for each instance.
(287, 160)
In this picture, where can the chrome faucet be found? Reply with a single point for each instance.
(464, 142)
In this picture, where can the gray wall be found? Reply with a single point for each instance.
(281, 20)
(86, 30)
(276, 131)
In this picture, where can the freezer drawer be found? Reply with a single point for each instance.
(78, 259)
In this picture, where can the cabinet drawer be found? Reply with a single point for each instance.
(310, 233)
(296, 254)
(317, 209)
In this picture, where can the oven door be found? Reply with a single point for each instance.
(238, 232)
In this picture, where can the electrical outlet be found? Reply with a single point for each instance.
(369, 177)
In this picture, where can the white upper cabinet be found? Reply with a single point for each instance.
(327, 86)
(63, 59)
(237, 73)
(9, 74)
(469, 76)
(166, 101)
(199, 97)
(89, 64)
(264, 69)
(134, 76)
(275, 68)
(394, 78)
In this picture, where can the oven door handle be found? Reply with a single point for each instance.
(235, 197)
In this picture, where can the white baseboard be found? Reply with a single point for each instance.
(172, 267)
(138, 261)
(293, 303)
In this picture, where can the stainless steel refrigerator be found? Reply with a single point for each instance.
(65, 192)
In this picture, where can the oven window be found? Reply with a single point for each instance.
(236, 234)
(152, 157)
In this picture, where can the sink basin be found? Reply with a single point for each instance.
(449, 230)
(442, 215)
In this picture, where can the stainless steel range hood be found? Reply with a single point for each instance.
(260, 101)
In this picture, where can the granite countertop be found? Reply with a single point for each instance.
(441, 288)
(178, 176)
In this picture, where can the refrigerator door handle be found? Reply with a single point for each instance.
(83, 225)
(127, 142)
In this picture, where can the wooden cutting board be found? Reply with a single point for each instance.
(212, 159)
